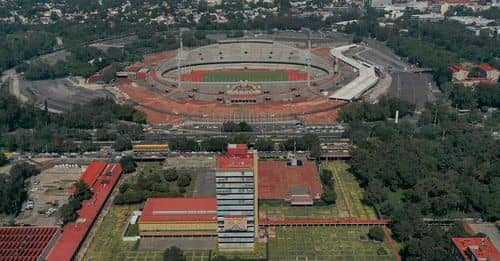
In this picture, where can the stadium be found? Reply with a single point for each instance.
(260, 81)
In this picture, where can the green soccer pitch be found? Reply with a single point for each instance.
(246, 76)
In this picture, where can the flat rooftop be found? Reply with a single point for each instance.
(237, 158)
(278, 180)
(179, 209)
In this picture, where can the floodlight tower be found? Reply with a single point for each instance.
(308, 59)
(308, 56)
(181, 55)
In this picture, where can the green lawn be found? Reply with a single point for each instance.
(107, 243)
(325, 243)
(246, 76)
(349, 193)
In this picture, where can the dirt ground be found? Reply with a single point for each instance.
(49, 189)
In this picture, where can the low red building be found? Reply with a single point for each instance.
(179, 217)
(102, 178)
(474, 249)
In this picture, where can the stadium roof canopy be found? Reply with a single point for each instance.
(26, 243)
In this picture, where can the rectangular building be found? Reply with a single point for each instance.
(178, 217)
(473, 249)
(236, 192)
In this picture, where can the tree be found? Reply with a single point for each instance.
(357, 39)
(68, 211)
(326, 177)
(244, 126)
(3, 159)
(184, 180)
(171, 174)
(462, 97)
(128, 164)
(215, 144)
(173, 254)
(82, 191)
(139, 117)
(264, 144)
(376, 233)
(230, 126)
(329, 196)
(12, 187)
(122, 144)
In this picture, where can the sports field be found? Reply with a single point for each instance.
(251, 76)
(326, 243)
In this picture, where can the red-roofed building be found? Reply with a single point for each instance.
(74, 233)
(474, 249)
(237, 158)
(491, 72)
(237, 149)
(92, 172)
(179, 217)
(296, 183)
(26, 243)
(459, 73)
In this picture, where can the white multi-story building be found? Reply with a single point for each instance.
(236, 191)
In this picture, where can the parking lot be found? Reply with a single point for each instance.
(202, 168)
(46, 193)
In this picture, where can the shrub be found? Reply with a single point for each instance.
(130, 197)
(376, 233)
(381, 251)
(171, 175)
(329, 196)
(173, 254)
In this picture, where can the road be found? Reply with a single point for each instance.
(12, 79)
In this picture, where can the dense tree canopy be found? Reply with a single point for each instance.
(12, 189)
(29, 128)
(441, 167)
